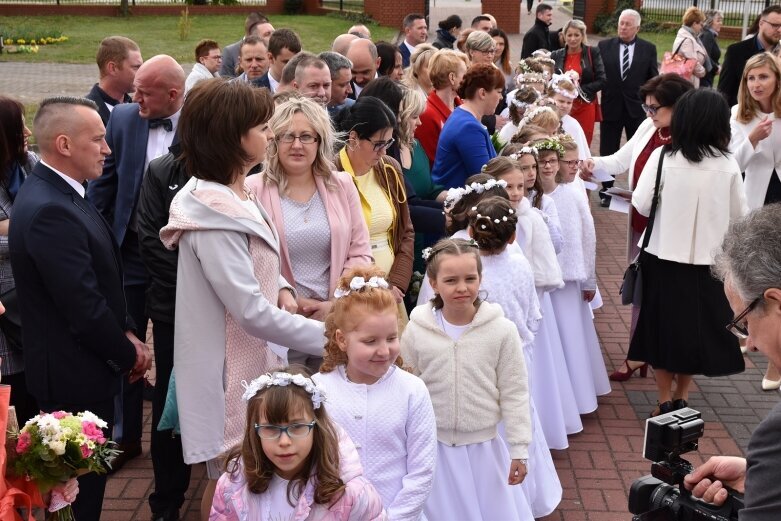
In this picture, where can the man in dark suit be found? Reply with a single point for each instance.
(753, 289)
(766, 39)
(137, 133)
(363, 55)
(256, 24)
(253, 59)
(118, 60)
(629, 62)
(538, 36)
(78, 335)
(415, 33)
(282, 46)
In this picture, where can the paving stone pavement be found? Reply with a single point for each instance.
(600, 463)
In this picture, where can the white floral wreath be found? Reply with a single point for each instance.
(531, 151)
(533, 113)
(283, 380)
(554, 86)
(455, 194)
(359, 283)
(504, 218)
(531, 77)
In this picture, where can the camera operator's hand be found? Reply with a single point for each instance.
(708, 480)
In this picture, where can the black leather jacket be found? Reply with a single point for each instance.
(592, 77)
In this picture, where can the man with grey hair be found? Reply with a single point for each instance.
(79, 336)
(341, 75)
(750, 266)
(629, 62)
(365, 59)
(313, 80)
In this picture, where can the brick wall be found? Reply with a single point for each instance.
(392, 12)
(507, 14)
(594, 7)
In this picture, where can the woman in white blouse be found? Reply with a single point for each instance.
(316, 211)
(756, 144)
(680, 331)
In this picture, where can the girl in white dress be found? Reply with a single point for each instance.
(550, 383)
(470, 358)
(577, 259)
(508, 281)
(563, 91)
(386, 411)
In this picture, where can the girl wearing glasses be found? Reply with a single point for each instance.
(680, 330)
(756, 143)
(316, 210)
(660, 95)
(293, 462)
(571, 304)
(386, 411)
(369, 125)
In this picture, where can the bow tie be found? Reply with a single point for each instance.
(166, 123)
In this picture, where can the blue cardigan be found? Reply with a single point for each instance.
(464, 147)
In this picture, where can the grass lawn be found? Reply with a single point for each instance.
(160, 34)
(664, 42)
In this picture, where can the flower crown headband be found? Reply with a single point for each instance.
(283, 380)
(456, 194)
(523, 104)
(554, 86)
(359, 284)
(550, 143)
(429, 253)
(533, 113)
(504, 218)
(531, 77)
(531, 151)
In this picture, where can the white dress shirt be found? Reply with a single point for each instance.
(74, 184)
(160, 139)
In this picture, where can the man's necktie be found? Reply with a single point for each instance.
(624, 62)
(166, 123)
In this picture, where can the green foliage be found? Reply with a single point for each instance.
(354, 17)
(185, 24)
(606, 22)
(29, 33)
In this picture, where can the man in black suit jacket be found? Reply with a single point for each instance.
(753, 290)
(538, 36)
(118, 60)
(77, 332)
(629, 62)
(738, 53)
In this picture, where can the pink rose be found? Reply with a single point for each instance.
(86, 452)
(92, 431)
(24, 442)
(59, 414)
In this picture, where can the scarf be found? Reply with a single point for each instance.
(446, 37)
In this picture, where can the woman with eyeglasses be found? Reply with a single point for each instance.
(586, 61)
(756, 143)
(316, 210)
(465, 144)
(660, 95)
(680, 330)
(480, 47)
(368, 126)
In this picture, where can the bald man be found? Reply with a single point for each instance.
(79, 339)
(137, 133)
(363, 55)
(342, 42)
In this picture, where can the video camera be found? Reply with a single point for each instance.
(661, 496)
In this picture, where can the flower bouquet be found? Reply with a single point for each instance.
(55, 447)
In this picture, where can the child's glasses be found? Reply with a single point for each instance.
(294, 430)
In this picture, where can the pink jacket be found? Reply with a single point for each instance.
(360, 501)
(349, 234)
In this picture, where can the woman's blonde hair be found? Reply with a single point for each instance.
(412, 106)
(321, 124)
(693, 15)
(580, 26)
(421, 56)
(442, 64)
(479, 41)
(748, 108)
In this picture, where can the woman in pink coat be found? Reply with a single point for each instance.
(316, 211)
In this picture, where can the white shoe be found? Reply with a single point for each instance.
(770, 385)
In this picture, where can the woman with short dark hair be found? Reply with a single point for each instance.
(680, 331)
(232, 300)
(390, 61)
(464, 144)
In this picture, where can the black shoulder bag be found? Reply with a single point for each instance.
(632, 287)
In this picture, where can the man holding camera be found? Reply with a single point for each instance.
(750, 265)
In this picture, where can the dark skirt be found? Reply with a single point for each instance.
(682, 321)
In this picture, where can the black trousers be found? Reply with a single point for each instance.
(610, 137)
(131, 416)
(89, 502)
(172, 475)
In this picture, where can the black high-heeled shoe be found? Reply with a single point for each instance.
(662, 408)
(680, 403)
